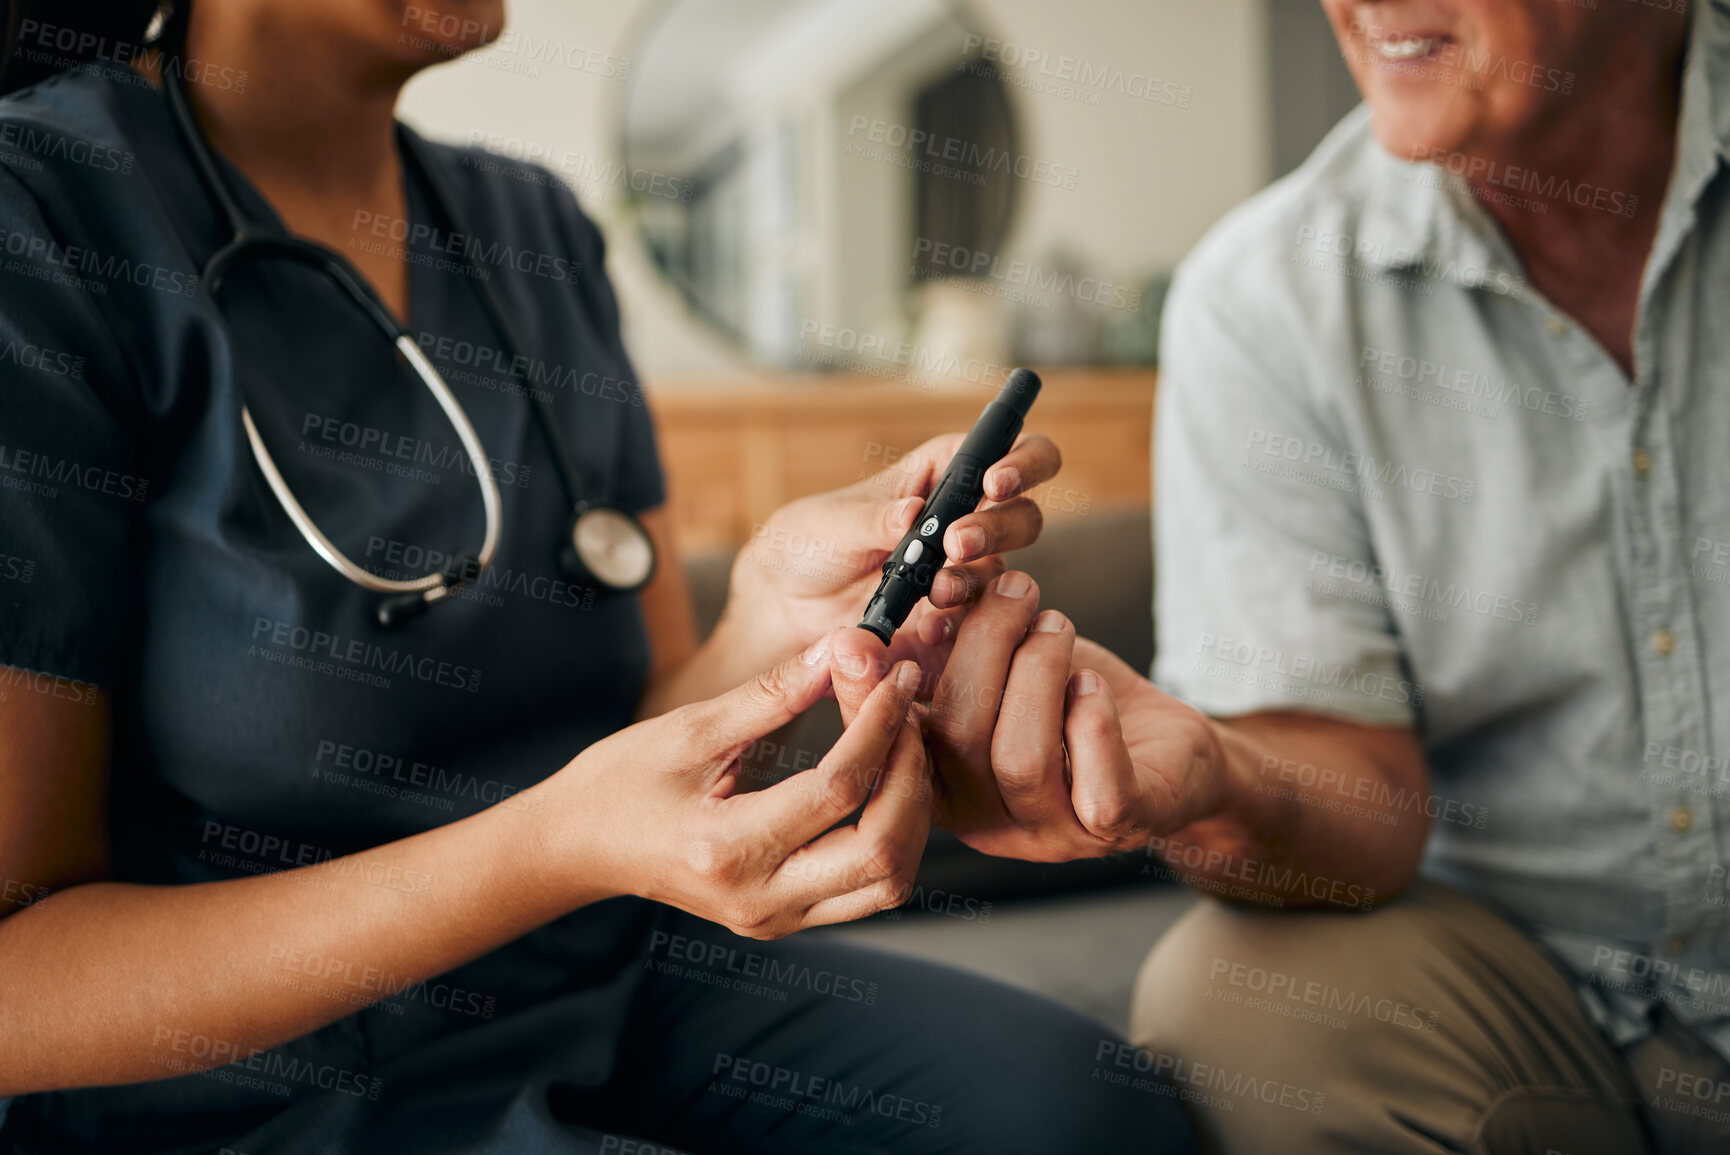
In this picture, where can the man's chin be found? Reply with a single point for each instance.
(1417, 133)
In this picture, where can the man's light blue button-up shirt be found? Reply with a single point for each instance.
(1395, 485)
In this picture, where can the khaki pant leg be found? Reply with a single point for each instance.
(1685, 1086)
(1430, 1025)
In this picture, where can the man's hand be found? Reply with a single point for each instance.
(1048, 747)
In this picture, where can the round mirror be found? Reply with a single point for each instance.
(806, 171)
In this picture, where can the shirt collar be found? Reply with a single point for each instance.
(1420, 216)
(1703, 136)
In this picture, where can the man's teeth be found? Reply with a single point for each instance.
(1410, 48)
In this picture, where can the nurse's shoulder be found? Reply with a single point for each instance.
(77, 132)
(99, 216)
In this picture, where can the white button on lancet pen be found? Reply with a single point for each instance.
(915, 551)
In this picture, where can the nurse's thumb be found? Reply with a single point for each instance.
(770, 700)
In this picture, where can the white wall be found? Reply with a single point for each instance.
(1152, 177)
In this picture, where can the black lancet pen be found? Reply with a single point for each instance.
(913, 566)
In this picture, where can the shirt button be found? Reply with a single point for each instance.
(1558, 327)
(1676, 944)
(1681, 820)
(1664, 642)
(1642, 463)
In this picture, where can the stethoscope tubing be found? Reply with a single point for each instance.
(434, 585)
(248, 241)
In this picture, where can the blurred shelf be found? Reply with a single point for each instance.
(736, 452)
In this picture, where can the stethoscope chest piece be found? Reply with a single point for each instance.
(610, 549)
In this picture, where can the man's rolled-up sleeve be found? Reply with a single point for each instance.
(1258, 511)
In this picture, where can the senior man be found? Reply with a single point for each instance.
(1443, 507)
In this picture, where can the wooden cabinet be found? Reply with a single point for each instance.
(734, 453)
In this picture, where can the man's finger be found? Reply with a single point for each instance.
(1109, 799)
(999, 528)
(1027, 755)
(964, 709)
(1033, 460)
(961, 585)
(936, 628)
(965, 706)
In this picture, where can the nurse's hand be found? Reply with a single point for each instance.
(657, 811)
(814, 564)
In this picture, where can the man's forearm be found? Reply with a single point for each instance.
(1313, 812)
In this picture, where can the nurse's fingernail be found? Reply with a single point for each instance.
(816, 652)
(1005, 482)
(1085, 682)
(1050, 622)
(907, 678)
(1014, 584)
(853, 665)
(970, 543)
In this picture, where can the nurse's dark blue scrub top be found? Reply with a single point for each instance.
(263, 720)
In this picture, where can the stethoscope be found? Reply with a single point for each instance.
(607, 547)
